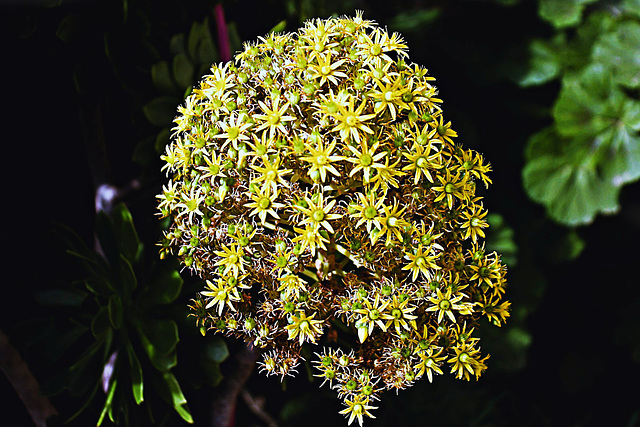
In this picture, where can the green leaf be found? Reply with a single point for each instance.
(72, 27)
(585, 103)
(414, 20)
(632, 6)
(162, 79)
(183, 71)
(620, 49)
(137, 383)
(48, 344)
(178, 399)
(126, 276)
(83, 373)
(570, 188)
(545, 62)
(162, 139)
(60, 298)
(107, 237)
(279, 27)
(101, 322)
(620, 163)
(177, 44)
(201, 47)
(128, 241)
(116, 311)
(568, 248)
(159, 339)
(161, 111)
(500, 239)
(217, 350)
(108, 402)
(562, 13)
(164, 288)
(545, 142)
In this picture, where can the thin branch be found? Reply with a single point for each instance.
(24, 383)
(256, 405)
(237, 371)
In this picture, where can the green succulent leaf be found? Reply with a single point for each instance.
(126, 276)
(562, 13)
(279, 27)
(177, 397)
(177, 44)
(159, 339)
(101, 323)
(137, 383)
(217, 350)
(128, 240)
(161, 110)
(116, 311)
(620, 49)
(162, 79)
(200, 44)
(183, 71)
(106, 409)
(164, 287)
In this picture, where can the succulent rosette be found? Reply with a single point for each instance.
(316, 188)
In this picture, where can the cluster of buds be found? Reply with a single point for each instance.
(317, 190)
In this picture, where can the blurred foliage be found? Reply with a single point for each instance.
(116, 314)
(548, 90)
(576, 166)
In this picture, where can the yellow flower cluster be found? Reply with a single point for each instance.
(317, 190)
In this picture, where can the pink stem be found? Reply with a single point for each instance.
(223, 34)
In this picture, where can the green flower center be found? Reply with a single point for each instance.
(374, 314)
(396, 313)
(366, 160)
(449, 188)
(264, 203)
(233, 259)
(445, 305)
(370, 212)
(318, 215)
(233, 132)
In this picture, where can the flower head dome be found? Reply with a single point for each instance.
(316, 188)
